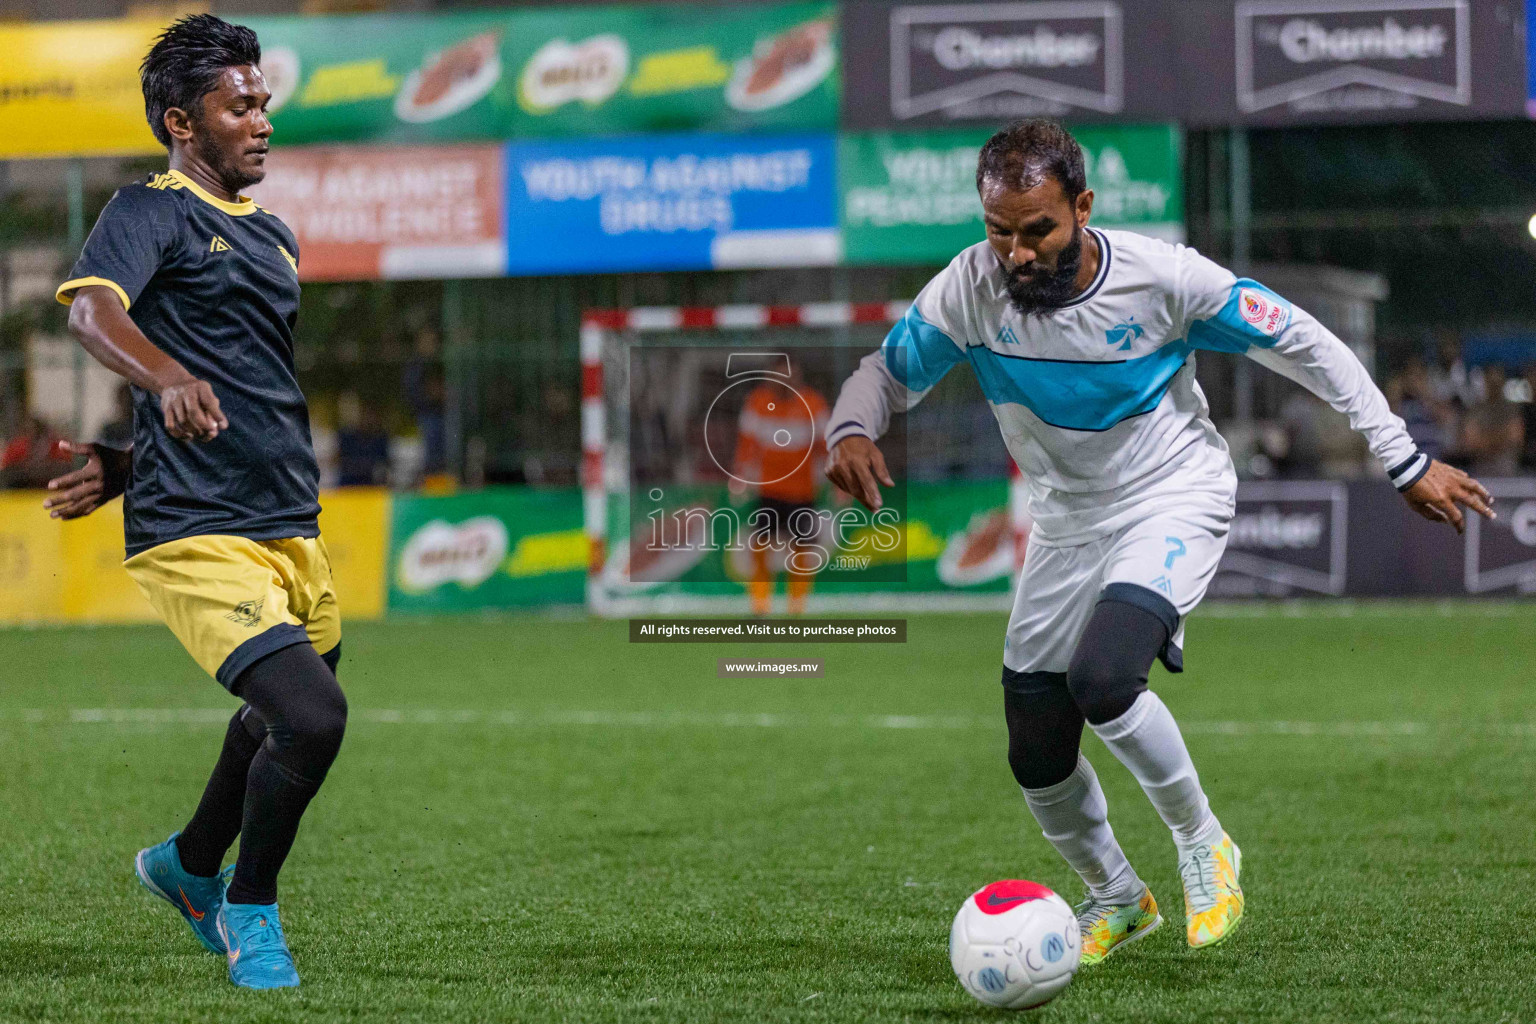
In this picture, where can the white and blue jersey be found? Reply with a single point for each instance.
(1097, 401)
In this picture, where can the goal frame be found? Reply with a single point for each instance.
(601, 328)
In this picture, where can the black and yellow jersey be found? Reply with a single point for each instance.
(215, 285)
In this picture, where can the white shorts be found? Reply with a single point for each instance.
(1172, 551)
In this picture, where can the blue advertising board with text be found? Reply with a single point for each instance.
(672, 202)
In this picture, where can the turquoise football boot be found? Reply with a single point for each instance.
(198, 899)
(258, 951)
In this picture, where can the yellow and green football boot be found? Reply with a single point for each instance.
(1213, 900)
(1106, 927)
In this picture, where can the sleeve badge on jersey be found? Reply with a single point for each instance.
(1262, 312)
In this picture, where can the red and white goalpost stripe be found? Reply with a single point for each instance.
(594, 443)
(682, 318)
(598, 325)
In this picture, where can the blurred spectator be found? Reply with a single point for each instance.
(1452, 383)
(1302, 454)
(1318, 441)
(1431, 422)
(118, 433)
(362, 444)
(421, 382)
(322, 432)
(1494, 431)
(30, 457)
(558, 414)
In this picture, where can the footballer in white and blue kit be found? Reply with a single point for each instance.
(1084, 342)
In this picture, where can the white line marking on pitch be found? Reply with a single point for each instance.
(737, 720)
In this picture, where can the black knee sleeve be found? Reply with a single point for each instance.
(1110, 665)
(1044, 727)
(246, 731)
(296, 695)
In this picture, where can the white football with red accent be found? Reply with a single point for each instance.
(1014, 944)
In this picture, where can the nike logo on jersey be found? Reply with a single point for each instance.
(197, 915)
(218, 245)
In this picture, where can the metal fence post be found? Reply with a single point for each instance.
(1240, 202)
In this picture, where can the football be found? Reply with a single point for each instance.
(1014, 944)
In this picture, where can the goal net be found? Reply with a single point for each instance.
(703, 447)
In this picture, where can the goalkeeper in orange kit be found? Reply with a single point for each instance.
(781, 451)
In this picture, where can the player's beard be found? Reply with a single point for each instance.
(236, 174)
(238, 178)
(1046, 292)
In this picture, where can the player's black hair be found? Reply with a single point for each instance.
(185, 63)
(1020, 156)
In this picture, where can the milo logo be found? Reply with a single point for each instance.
(439, 552)
(562, 72)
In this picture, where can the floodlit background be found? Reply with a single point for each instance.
(467, 181)
(499, 206)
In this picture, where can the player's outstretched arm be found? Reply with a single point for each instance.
(103, 477)
(97, 318)
(858, 467)
(1441, 489)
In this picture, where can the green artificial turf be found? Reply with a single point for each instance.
(533, 820)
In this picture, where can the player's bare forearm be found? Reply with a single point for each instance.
(857, 467)
(104, 329)
(1442, 490)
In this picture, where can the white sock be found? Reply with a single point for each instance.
(1146, 739)
(1075, 819)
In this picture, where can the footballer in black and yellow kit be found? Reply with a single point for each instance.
(191, 291)
(221, 535)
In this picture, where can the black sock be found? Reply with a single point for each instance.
(216, 822)
(296, 694)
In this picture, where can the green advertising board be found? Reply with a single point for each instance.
(910, 197)
(513, 547)
(955, 537)
(577, 71)
(497, 548)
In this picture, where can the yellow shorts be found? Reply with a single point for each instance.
(231, 601)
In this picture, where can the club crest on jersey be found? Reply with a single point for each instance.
(1121, 336)
(1265, 314)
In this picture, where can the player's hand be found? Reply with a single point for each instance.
(192, 411)
(102, 478)
(1439, 492)
(857, 466)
